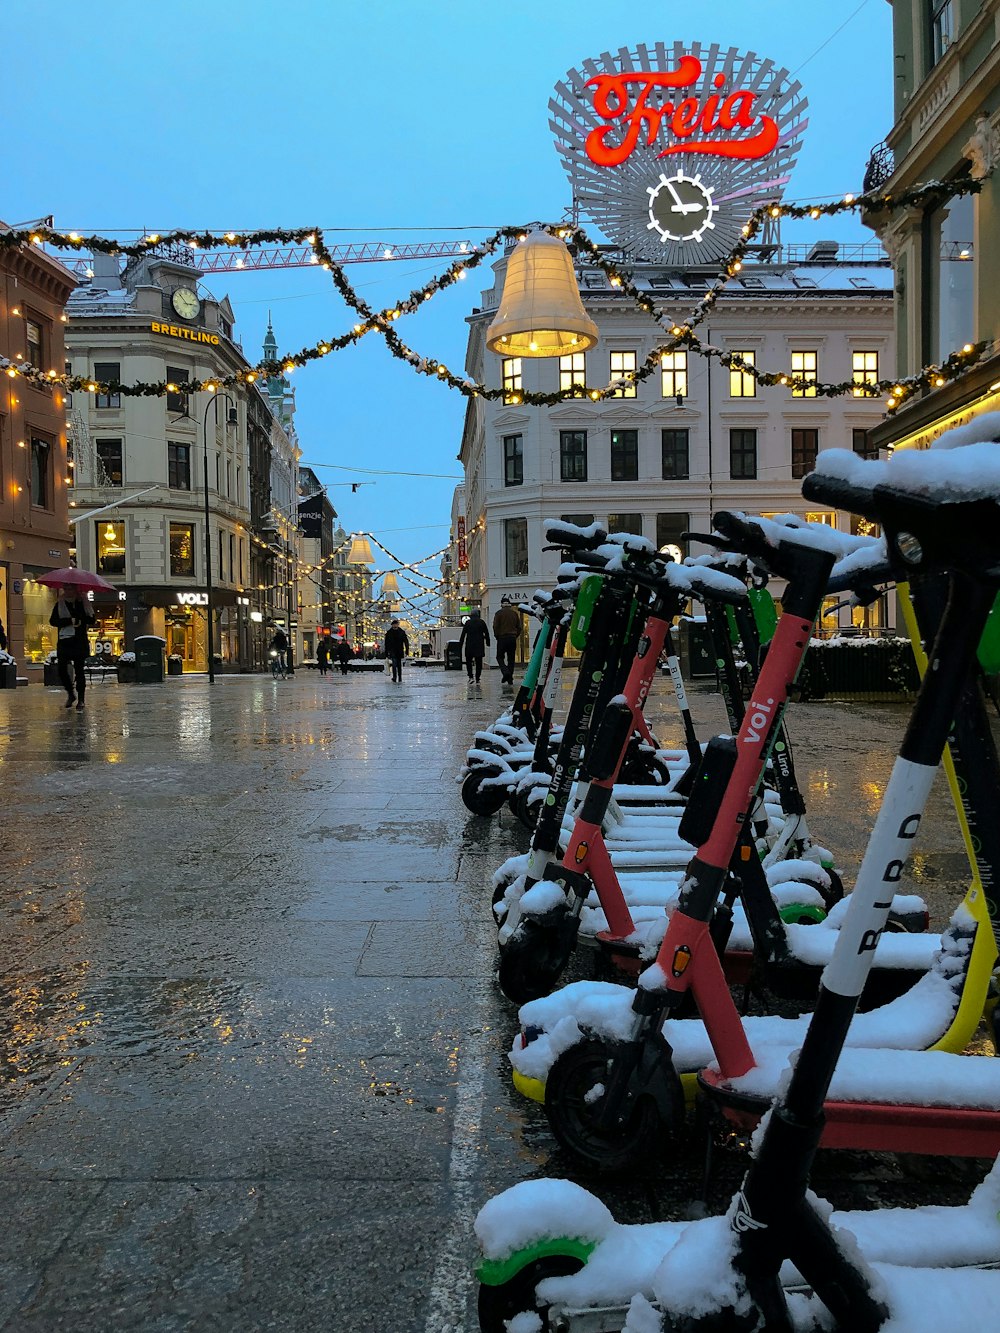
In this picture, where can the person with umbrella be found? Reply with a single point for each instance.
(70, 617)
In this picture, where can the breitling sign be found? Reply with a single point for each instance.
(188, 335)
(669, 149)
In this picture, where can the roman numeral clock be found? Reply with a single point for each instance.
(669, 149)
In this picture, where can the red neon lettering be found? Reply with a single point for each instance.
(642, 121)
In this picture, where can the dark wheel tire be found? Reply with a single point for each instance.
(499, 1305)
(526, 810)
(533, 959)
(480, 800)
(835, 892)
(569, 1104)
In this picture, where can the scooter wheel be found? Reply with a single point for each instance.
(571, 1097)
(836, 890)
(482, 800)
(499, 1305)
(526, 810)
(532, 960)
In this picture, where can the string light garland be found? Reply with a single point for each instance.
(680, 334)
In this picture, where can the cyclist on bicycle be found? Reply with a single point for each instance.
(279, 645)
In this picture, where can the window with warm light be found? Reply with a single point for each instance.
(624, 455)
(742, 384)
(743, 455)
(670, 530)
(182, 550)
(572, 455)
(674, 374)
(864, 370)
(107, 372)
(510, 373)
(573, 374)
(805, 446)
(804, 367)
(110, 545)
(109, 453)
(513, 460)
(623, 364)
(70, 461)
(515, 534)
(625, 523)
(674, 455)
(41, 479)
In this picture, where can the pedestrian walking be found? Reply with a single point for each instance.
(70, 620)
(323, 656)
(473, 640)
(397, 645)
(507, 631)
(344, 655)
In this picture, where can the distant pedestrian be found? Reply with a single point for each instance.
(474, 639)
(344, 655)
(507, 631)
(279, 645)
(70, 620)
(3, 638)
(323, 656)
(397, 645)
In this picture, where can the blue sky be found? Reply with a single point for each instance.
(388, 120)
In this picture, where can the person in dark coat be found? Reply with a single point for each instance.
(506, 630)
(70, 620)
(397, 645)
(344, 655)
(474, 639)
(323, 656)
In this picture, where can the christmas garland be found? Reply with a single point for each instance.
(681, 335)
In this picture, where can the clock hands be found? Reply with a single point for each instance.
(679, 206)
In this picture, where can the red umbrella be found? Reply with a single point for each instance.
(75, 578)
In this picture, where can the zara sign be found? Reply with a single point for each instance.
(669, 149)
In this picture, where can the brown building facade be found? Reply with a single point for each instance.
(34, 528)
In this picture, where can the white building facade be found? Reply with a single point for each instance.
(692, 439)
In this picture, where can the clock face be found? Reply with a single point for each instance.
(185, 302)
(680, 208)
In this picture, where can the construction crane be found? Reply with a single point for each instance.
(292, 256)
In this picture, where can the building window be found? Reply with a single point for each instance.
(33, 337)
(573, 374)
(232, 551)
(222, 567)
(743, 455)
(674, 448)
(804, 368)
(670, 530)
(952, 271)
(229, 478)
(623, 364)
(511, 377)
(577, 520)
(625, 523)
(70, 461)
(860, 445)
(108, 372)
(741, 384)
(178, 466)
(805, 446)
(110, 547)
(941, 28)
(109, 453)
(68, 397)
(864, 370)
(674, 374)
(515, 537)
(573, 455)
(182, 550)
(41, 488)
(513, 460)
(177, 402)
(624, 455)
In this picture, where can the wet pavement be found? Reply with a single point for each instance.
(253, 1058)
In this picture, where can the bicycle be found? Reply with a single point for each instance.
(278, 668)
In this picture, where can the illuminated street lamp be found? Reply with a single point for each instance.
(540, 313)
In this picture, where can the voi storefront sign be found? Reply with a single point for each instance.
(669, 149)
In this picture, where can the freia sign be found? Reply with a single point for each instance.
(669, 149)
(623, 100)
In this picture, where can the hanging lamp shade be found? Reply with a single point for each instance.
(360, 552)
(390, 584)
(540, 313)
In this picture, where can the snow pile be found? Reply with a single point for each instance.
(535, 1210)
(961, 465)
(697, 1277)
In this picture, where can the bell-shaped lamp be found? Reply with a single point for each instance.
(540, 313)
(360, 552)
(390, 584)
